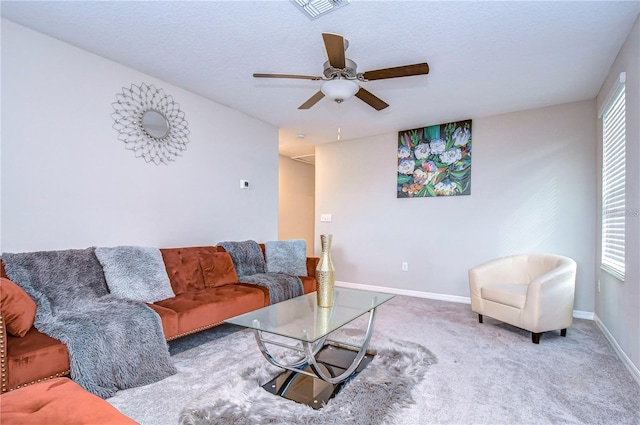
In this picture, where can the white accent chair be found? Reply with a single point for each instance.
(534, 292)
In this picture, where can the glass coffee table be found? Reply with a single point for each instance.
(322, 365)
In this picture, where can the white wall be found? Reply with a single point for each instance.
(618, 303)
(532, 190)
(296, 201)
(68, 182)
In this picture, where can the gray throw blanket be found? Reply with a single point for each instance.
(113, 343)
(250, 266)
(247, 257)
(281, 286)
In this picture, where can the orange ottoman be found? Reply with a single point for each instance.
(57, 401)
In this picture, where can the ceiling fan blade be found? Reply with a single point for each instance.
(300, 77)
(334, 44)
(312, 101)
(371, 100)
(398, 71)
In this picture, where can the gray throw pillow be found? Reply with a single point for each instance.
(135, 273)
(289, 257)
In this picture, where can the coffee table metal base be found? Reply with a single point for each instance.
(312, 391)
(310, 350)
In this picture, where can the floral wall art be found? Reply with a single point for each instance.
(435, 160)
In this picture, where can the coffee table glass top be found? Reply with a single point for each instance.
(300, 318)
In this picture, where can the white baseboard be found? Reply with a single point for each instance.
(407, 292)
(578, 314)
(632, 368)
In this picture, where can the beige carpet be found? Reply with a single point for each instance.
(486, 373)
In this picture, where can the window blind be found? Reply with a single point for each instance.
(613, 184)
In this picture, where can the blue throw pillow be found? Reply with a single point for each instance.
(289, 257)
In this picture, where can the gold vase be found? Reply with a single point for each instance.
(325, 274)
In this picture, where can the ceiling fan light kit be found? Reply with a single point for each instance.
(339, 89)
(340, 75)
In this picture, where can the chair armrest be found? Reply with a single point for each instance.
(551, 295)
(312, 263)
(562, 277)
(494, 271)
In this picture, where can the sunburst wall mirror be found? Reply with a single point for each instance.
(150, 123)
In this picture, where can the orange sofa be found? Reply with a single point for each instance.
(58, 401)
(207, 292)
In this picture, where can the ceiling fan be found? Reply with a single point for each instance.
(340, 74)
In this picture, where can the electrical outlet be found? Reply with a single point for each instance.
(405, 266)
(244, 184)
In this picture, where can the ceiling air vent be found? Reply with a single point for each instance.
(316, 8)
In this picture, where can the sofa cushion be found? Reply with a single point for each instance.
(18, 309)
(169, 319)
(58, 401)
(508, 294)
(202, 309)
(289, 257)
(217, 269)
(33, 357)
(135, 273)
(183, 268)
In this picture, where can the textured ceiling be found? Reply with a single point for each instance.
(485, 58)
